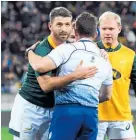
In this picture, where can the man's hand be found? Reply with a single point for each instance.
(104, 54)
(31, 48)
(84, 72)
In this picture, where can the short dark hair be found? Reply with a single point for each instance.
(86, 24)
(59, 11)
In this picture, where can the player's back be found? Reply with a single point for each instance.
(86, 91)
(90, 55)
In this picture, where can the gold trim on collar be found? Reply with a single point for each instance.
(51, 42)
(106, 46)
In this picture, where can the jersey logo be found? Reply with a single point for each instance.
(128, 126)
(123, 61)
(116, 74)
(27, 129)
(92, 59)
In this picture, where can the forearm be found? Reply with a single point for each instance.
(51, 83)
(105, 93)
(79, 74)
(48, 83)
(40, 64)
(102, 99)
(34, 60)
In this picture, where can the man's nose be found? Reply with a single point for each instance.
(107, 31)
(63, 28)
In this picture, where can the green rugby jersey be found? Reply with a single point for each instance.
(30, 89)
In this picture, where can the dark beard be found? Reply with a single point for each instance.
(60, 39)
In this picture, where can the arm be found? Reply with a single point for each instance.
(106, 88)
(105, 93)
(45, 64)
(40, 64)
(35, 55)
(48, 83)
(133, 75)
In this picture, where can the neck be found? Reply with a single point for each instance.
(114, 44)
(56, 41)
(89, 38)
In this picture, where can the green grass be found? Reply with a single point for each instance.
(135, 128)
(5, 135)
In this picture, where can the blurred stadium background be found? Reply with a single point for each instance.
(25, 22)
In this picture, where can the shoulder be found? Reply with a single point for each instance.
(126, 49)
(99, 44)
(66, 47)
(44, 43)
(43, 48)
(129, 53)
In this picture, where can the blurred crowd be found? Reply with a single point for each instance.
(25, 22)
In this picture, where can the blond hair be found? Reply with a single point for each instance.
(110, 15)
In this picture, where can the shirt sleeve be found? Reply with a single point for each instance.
(42, 51)
(58, 55)
(109, 80)
(37, 74)
(133, 75)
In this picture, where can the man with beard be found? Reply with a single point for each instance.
(32, 109)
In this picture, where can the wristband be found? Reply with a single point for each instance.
(27, 51)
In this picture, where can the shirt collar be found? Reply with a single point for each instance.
(84, 38)
(110, 49)
(50, 40)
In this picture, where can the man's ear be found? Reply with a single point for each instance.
(49, 25)
(120, 28)
(95, 35)
(76, 34)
